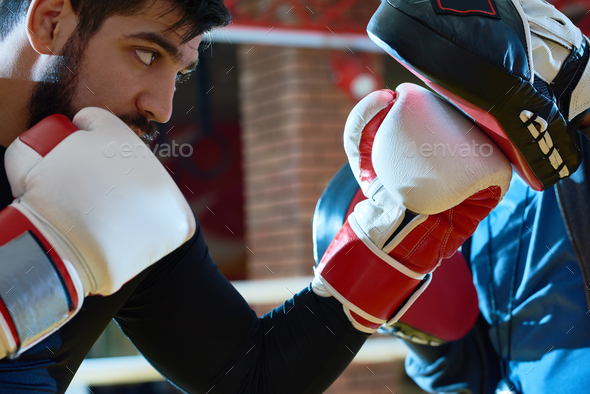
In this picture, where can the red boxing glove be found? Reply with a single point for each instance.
(446, 311)
(430, 176)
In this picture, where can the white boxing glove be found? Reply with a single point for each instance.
(429, 183)
(93, 209)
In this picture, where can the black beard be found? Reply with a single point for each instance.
(55, 94)
(148, 127)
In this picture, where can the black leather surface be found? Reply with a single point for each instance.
(330, 211)
(483, 61)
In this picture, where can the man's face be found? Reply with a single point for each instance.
(130, 67)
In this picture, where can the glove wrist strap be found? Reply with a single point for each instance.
(37, 297)
(370, 284)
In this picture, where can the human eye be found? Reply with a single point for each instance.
(147, 57)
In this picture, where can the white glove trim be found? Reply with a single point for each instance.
(325, 287)
(548, 22)
(580, 100)
(357, 325)
(10, 347)
(548, 58)
(380, 253)
(418, 220)
(419, 290)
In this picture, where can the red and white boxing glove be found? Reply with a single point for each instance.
(93, 208)
(430, 176)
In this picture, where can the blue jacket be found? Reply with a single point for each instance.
(530, 260)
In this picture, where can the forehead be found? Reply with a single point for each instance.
(156, 16)
(155, 20)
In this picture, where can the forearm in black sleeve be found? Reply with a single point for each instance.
(198, 331)
(466, 366)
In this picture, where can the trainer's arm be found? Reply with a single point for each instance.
(465, 366)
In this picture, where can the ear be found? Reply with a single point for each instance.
(49, 25)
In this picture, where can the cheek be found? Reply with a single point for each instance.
(105, 84)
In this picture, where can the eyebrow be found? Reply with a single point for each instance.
(165, 44)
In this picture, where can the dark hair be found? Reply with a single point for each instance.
(197, 16)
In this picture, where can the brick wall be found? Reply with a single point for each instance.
(293, 116)
(292, 122)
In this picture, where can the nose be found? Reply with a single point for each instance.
(155, 100)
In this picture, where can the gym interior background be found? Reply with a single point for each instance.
(255, 137)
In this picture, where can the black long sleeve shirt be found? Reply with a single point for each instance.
(192, 325)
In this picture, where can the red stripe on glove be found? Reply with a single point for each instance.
(349, 267)
(367, 173)
(45, 135)
(440, 235)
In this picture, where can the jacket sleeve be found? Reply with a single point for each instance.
(467, 366)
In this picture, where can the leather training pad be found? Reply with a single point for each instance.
(479, 61)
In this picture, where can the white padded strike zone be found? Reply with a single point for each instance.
(434, 140)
